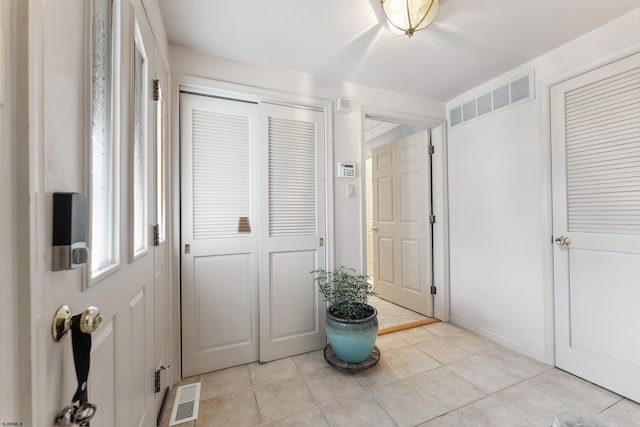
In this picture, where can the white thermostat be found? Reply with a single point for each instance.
(346, 170)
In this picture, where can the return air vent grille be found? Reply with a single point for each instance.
(484, 104)
(469, 110)
(514, 91)
(455, 116)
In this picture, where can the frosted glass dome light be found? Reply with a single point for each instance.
(405, 17)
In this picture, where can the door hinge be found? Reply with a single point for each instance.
(431, 149)
(187, 249)
(432, 219)
(156, 377)
(156, 90)
(156, 235)
(433, 290)
(321, 241)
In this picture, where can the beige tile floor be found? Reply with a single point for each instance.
(436, 375)
(390, 314)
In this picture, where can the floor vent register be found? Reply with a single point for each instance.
(185, 405)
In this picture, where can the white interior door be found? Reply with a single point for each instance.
(292, 230)
(401, 228)
(219, 233)
(596, 206)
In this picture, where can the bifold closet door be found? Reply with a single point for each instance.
(219, 176)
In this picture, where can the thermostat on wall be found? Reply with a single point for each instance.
(346, 170)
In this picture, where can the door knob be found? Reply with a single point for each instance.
(374, 228)
(563, 241)
(89, 320)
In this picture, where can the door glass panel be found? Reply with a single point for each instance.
(160, 163)
(103, 224)
(140, 217)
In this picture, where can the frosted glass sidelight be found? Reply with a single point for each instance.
(140, 218)
(102, 160)
(161, 183)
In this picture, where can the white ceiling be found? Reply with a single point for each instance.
(470, 42)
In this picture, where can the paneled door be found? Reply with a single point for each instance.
(401, 228)
(113, 168)
(292, 230)
(253, 229)
(219, 165)
(595, 123)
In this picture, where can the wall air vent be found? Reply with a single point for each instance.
(455, 116)
(484, 104)
(506, 93)
(469, 110)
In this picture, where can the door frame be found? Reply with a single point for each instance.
(217, 88)
(544, 92)
(439, 183)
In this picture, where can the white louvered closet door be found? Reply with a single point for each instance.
(219, 181)
(595, 121)
(292, 230)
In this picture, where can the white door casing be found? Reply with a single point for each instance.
(402, 233)
(595, 125)
(219, 234)
(292, 231)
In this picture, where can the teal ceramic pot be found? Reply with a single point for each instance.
(352, 340)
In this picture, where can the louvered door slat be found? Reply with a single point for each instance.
(292, 177)
(220, 173)
(603, 85)
(602, 128)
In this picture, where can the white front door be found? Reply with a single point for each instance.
(219, 233)
(595, 121)
(401, 229)
(97, 118)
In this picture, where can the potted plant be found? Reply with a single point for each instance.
(351, 324)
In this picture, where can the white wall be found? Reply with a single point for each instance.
(348, 128)
(499, 189)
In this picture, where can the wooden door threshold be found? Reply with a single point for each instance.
(409, 325)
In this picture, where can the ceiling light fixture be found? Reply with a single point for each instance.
(405, 17)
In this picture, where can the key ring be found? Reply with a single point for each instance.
(76, 414)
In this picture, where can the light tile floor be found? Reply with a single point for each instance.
(390, 314)
(436, 375)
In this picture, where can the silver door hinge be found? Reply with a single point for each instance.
(156, 235)
(432, 219)
(187, 249)
(156, 90)
(322, 241)
(431, 149)
(433, 290)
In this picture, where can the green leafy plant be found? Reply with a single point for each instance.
(345, 291)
